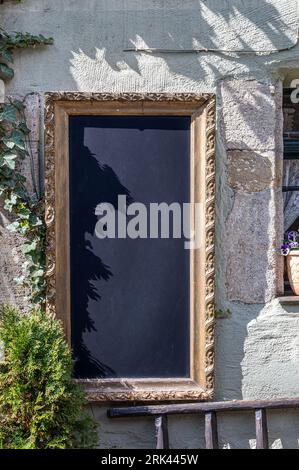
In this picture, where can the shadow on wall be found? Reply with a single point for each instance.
(235, 431)
(103, 186)
(212, 26)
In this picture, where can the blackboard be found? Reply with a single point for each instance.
(130, 312)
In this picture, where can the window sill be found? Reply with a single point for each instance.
(144, 390)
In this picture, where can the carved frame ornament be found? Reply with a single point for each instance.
(201, 107)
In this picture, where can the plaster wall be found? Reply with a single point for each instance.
(257, 346)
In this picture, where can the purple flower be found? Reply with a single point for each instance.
(292, 236)
(285, 249)
(294, 245)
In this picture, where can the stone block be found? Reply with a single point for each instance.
(11, 259)
(250, 171)
(251, 248)
(248, 115)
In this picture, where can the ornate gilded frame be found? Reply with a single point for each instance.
(201, 107)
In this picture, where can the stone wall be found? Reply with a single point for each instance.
(11, 257)
(257, 347)
(252, 140)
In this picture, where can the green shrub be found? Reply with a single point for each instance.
(40, 405)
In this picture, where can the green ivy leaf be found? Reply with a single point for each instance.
(35, 221)
(8, 143)
(9, 160)
(10, 163)
(23, 40)
(13, 227)
(24, 213)
(24, 223)
(10, 202)
(29, 247)
(38, 273)
(6, 54)
(16, 139)
(6, 71)
(9, 113)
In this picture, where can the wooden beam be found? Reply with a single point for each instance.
(261, 429)
(211, 431)
(161, 428)
(201, 407)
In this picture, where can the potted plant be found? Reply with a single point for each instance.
(290, 249)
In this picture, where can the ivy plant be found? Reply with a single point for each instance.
(27, 210)
(16, 40)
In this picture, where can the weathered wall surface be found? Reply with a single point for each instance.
(257, 347)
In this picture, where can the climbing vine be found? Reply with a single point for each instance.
(27, 209)
(17, 40)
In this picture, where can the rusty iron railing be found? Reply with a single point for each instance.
(209, 410)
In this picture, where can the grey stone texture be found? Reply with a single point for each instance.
(250, 171)
(11, 257)
(248, 115)
(251, 128)
(257, 347)
(250, 250)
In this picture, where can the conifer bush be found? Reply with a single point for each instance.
(40, 405)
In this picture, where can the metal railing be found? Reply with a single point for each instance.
(209, 410)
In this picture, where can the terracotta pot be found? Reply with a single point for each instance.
(293, 270)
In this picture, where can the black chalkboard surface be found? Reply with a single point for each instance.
(129, 297)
